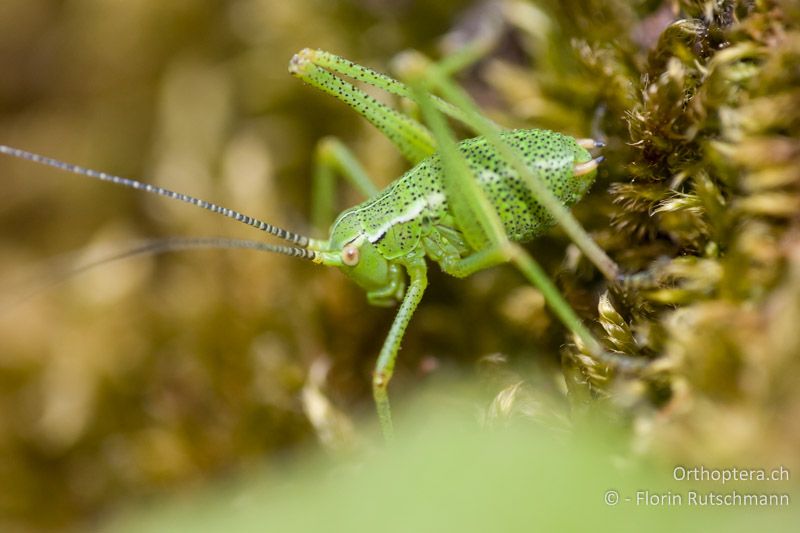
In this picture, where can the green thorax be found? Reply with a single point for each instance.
(396, 219)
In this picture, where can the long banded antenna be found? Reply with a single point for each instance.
(295, 238)
(176, 244)
(65, 269)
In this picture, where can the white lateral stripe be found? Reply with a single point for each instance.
(435, 200)
(413, 212)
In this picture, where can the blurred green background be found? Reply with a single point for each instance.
(158, 375)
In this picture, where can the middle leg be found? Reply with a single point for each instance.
(332, 158)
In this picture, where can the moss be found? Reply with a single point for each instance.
(698, 102)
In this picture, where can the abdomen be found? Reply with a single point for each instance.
(395, 218)
(550, 155)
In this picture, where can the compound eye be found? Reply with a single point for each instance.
(350, 255)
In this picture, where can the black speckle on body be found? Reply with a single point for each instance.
(550, 154)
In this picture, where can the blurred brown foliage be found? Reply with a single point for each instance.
(157, 372)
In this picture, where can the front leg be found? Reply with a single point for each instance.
(384, 368)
